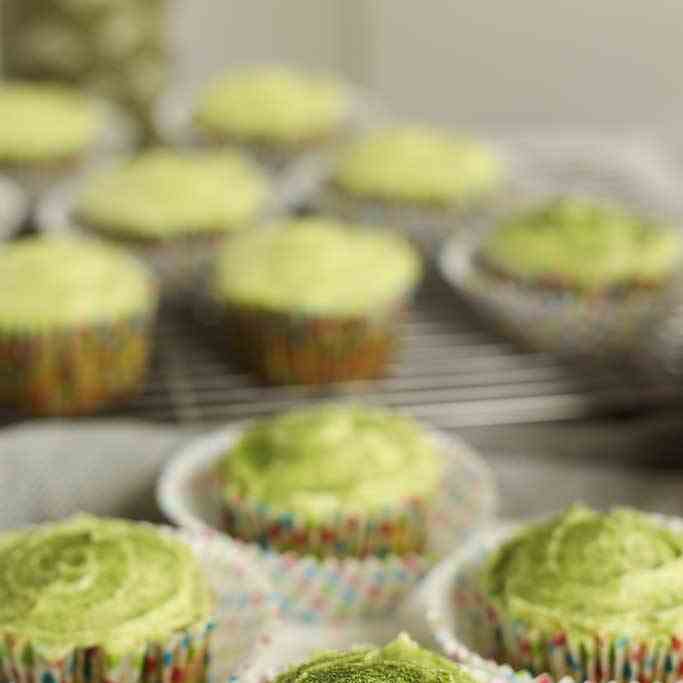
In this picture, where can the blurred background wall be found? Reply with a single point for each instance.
(487, 62)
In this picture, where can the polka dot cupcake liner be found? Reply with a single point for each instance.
(312, 588)
(612, 330)
(75, 370)
(216, 647)
(470, 630)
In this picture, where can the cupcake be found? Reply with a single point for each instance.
(91, 599)
(332, 480)
(422, 180)
(275, 112)
(313, 301)
(75, 325)
(582, 278)
(400, 661)
(46, 131)
(173, 207)
(594, 596)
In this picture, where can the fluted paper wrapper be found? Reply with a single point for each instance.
(311, 588)
(75, 370)
(470, 630)
(286, 348)
(611, 329)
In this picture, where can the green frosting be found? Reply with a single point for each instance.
(47, 283)
(587, 573)
(88, 582)
(273, 105)
(44, 123)
(578, 244)
(317, 267)
(418, 165)
(319, 461)
(164, 194)
(402, 661)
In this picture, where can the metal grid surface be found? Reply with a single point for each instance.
(451, 372)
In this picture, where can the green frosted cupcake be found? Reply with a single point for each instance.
(104, 600)
(314, 300)
(46, 131)
(276, 112)
(401, 661)
(174, 207)
(75, 325)
(584, 247)
(420, 179)
(591, 595)
(332, 480)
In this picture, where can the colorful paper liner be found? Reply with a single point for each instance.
(469, 629)
(76, 370)
(314, 589)
(427, 227)
(287, 348)
(400, 530)
(610, 330)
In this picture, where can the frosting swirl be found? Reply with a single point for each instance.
(402, 661)
(588, 573)
(97, 582)
(320, 461)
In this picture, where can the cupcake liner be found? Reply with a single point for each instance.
(74, 370)
(287, 348)
(314, 589)
(13, 208)
(611, 329)
(471, 631)
(243, 616)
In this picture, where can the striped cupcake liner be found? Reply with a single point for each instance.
(612, 330)
(470, 630)
(75, 370)
(312, 588)
(293, 349)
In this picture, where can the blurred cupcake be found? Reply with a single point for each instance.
(400, 661)
(98, 600)
(594, 596)
(573, 276)
(173, 207)
(419, 179)
(274, 112)
(47, 130)
(75, 325)
(314, 301)
(332, 480)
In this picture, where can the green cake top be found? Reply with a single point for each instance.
(418, 165)
(586, 573)
(320, 461)
(582, 245)
(88, 582)
(165, 194)
(44, 124)
(273, 105)
(402, 661)
(54, 283)
(317, 266)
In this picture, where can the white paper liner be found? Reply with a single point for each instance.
(243, 619)
(312, 589)
(611, 330)
(468, 633)
(13, 208)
